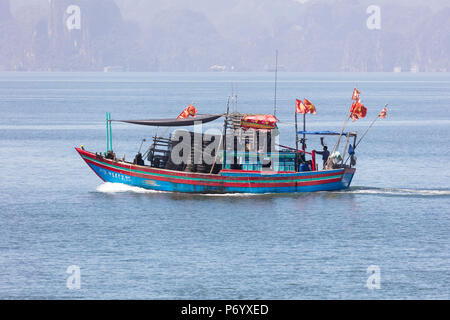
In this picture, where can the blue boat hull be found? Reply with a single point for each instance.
(227, 181)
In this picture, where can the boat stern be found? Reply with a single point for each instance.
(348, 177)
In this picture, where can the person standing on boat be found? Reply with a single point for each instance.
(138, 160)
(325, 154)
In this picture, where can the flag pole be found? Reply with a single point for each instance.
(107, 132)
(296, 142)
(356, 144)
(276, 78)
(367, 130)
(110, 132)
(339, 139)
(342, 131)
(304, 130)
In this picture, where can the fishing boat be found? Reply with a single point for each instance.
(245, 157)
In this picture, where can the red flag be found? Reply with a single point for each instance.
(352, 108)
(309, 107)
(192, 110)
(362, 111)
(189, 111)
(304, 106)
(358, 110)
(383, 113)
(355, 94)
(352, 115)
(299, 106)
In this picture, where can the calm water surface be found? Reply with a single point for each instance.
(134, 244)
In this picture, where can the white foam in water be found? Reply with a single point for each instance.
(397, 192)
(109, 187)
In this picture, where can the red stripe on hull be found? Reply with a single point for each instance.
(225, 183)
(291, 176)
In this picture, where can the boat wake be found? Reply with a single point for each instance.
(109, 187)
(112, 188)
(396, 191)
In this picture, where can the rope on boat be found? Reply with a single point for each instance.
(336, 146)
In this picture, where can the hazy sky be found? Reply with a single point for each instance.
(242, 35)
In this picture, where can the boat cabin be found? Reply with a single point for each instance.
(247, 143)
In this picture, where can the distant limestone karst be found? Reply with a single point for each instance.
(131, 35)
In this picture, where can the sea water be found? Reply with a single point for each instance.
(131, 243)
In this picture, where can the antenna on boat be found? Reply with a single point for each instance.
(223, 141)
(233, 98)
(142, 142)
(276, 76)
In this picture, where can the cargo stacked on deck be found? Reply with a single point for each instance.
(286, 161)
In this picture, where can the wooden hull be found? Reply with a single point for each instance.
(227, 181)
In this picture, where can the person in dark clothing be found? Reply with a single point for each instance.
(110, 155)
(138, 160)
(325, 154)
(351, 152)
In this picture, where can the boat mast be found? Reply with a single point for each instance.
(233, 99)
(223, 141)
(108, 132)
(304, 132)
(276, 76)
(296, 142)
(224, 138)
